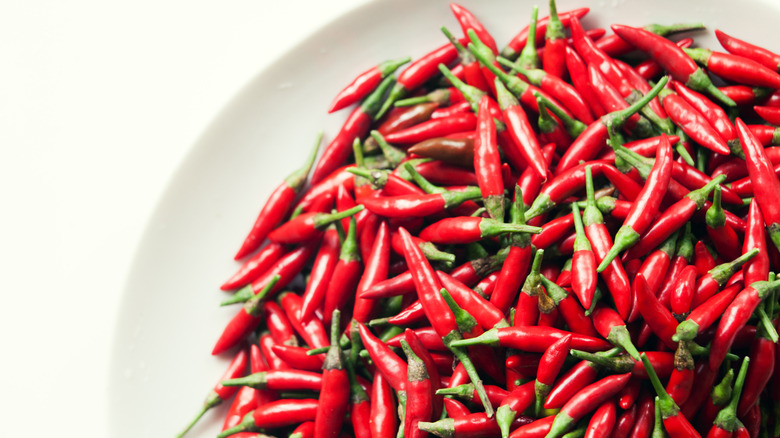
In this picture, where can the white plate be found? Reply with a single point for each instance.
(169, 317)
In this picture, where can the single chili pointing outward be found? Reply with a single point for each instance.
(549, 367)
(672, 58)
(365, 83)
(736, 68)
(277, 206)
(517, 260)
(646, 205)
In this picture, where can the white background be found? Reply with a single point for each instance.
(99, 103)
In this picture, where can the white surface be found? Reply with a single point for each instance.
(99, 103)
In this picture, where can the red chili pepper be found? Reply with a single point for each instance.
(356, 125)
(532, 339)
(365, 83)
(765, 182)
(585, 401)
(684, 290)
(434, 128)
(522, 133)
(660, 320)
(553, 231)
(650, 69)
(594, 138)
(298, 356)
(612, 100)
(564, 93)
(611, 327)
(735, 317)
(711, 111)
(615, 46)
(597, 59)
(654, 269)
(602, 421)
(392, 367)
(694, 124)
(384, 420)
(312, 331)
(418, 393)
(346, 274)
(725, 423)
(470, 229)
(308, 226)
(244, 322)
(742, 48)
(555, 44)
(757, 268)
(519, 41)
(709, 283)
(255, 266)
(321, 273)
(266, 343)
(279, 380)
(278, 324)
(417, 73)
(487, 162)
(334, 396)
(219, 393)
(614, 275)
(549, 366)
(276, 414)
(486, 314)
(760, 370)
(736, 68)
(725, 239)
(674, 421)
(628, 395)
(468, 22)
(578, 72)
(277, 206)
(583, 263)
(646, 205)
(672, 58)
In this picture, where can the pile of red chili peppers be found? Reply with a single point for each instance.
(572, 236)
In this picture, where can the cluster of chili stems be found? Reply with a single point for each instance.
(572, 236)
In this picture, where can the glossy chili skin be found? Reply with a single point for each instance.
(743, 48)
(765, 182)
(312, 331)
(285, 412)
(418, 394)
(392, 367)
(586, 400)
(734, 318)
(255, 266)
(434, 128)
(671, 58)
(602, 421)
(516, 44)
(324, 263)
(384, 419)
(736, 68)
(694, 123)
(356, 125)
(645, 207)
(364, 83)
